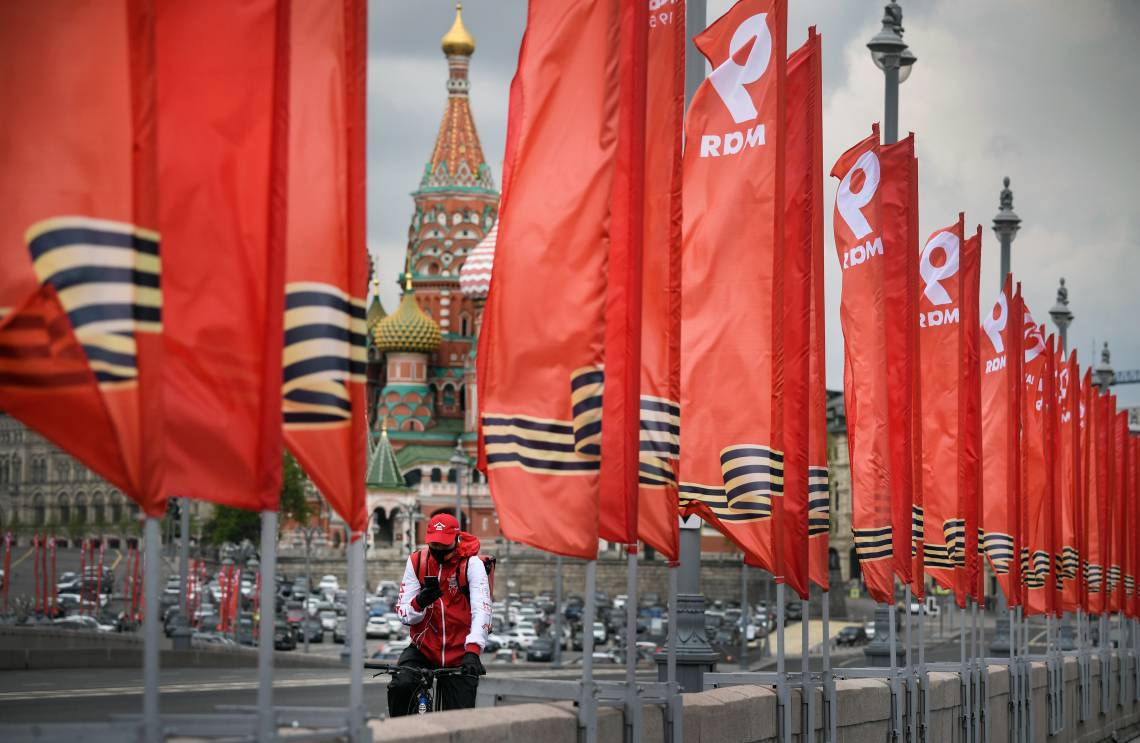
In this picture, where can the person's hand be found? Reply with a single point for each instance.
(472, 664)
(428, 595)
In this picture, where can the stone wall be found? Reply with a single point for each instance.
(747, 714)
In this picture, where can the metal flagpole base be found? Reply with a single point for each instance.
(782, 691)
(588, 702)
(357, 712)
(266, 721)
(830, 704)
(911, 680)
(152, 724)
(632, 698)
(675, 709)
(807, 687)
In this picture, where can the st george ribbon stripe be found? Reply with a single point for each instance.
(873, 543)
(999, 548)
(325, 350)
(107, 277)
(752, 474)
(819, 501)
(536, 445)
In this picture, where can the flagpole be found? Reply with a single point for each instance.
(964, 672)
(1014, 685)
(975, 671)
(152, 725)
(675, 705)
(910, 680)
(632, 700)
(781, 669)
(922, 674)
(557, 659)
(807, 719)
(832, 723)
(356, 589)
(588, 707)
(897, 712)
(266, 723)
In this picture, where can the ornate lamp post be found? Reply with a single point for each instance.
(1062, 315)
(891, 55)
(1103, 375)
(1006, 225)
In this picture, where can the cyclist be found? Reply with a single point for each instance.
(449, 622)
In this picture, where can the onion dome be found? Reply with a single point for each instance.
(475, 276)
(376, 311)
(458, 40)
(408, 329)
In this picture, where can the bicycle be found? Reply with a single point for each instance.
(425, 698)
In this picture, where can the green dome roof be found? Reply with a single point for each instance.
(408, 329)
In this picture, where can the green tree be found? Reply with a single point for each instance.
(236, 524)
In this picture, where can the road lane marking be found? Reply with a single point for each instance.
(25, 556)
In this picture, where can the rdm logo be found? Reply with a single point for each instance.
(945, 246)
(856, 191)
(730, 79)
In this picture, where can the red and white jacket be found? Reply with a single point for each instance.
(453, 625)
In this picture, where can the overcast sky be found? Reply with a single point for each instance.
(1044, 91)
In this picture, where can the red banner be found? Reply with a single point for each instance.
(77, 142)
(732, 455)
(875, 223)
(971, 581)
(661, 283)
(223, 93)
(1095, 554)
(1067, 485)
(1037, 475)
(621, 405)
(806, 502)
(1119, 489)
(540, 373)
(1000, 395)
(326, 272)
(940, 306)
(1133, 575)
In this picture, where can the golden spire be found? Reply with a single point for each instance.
(458, 40)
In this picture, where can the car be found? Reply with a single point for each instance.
(294, 612)
(869, 628)
(340, 631)
(853, 635)
(600, 633)
(80, 622)
(377, 628)
(601, 658)
(311, 627)
(246, 633)
(328, 619)
(283, 636)
(619, 601)
(505, 655)
(521, 638)
(329, 584)
(794, 611)
(386, 655)
(541, 650)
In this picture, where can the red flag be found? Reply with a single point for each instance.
(1067, 488)
(326, 271)
(875, 213)
(807, 498)
(1119, 489)
(859, 243)
(900, 227)
(1096, 503)
(1134, 531)
(77, 142)
(970, 432)
(943, 440)
(223, 95)
(732, 454)
(540, 374)
(1037, 474)
(1000, 387)
(621, 439)
(661, 283)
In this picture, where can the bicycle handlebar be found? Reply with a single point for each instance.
(428, 673)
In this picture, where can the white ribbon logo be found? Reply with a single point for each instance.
(932, 274)
(730, 78)
(849, 204)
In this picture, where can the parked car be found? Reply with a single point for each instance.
(377, 628)
(869, 628)
(386, 655)
(340, 631)
(505, 655)
(600, 633)
(311, 627)
(246, 631)
(521, 638)
(850, 636)
(328, 619)
(541, 650)
(80, 622)
(329, 584)
(794, 611)
(283, 636)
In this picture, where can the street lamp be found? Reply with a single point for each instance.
(1062, 315)
(1103, 375)
(1006, 225)
(891, 55)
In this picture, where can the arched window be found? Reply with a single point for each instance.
(449, 396)
(39, 512)
(117, 510)
(99, 510)
(81, 508)
(436, 474)
(452, 475)
(464, 324)
(64, 509)
(413, 477)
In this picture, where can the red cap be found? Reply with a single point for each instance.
(442, 529)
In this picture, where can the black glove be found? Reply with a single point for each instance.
(428, 595)
(472, 665)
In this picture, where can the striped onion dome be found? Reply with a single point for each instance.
(475, 276)
(408, 329)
